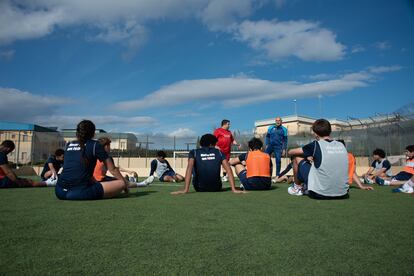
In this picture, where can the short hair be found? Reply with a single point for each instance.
(322, 127)
(161, 154)
(224, 122)
(208, 140)
(104, 141)
(59, 152)
(341, 141)
(379, 152)
(255, 144)
(410, 148)
(8, 144)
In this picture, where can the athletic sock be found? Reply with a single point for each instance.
(141, 184)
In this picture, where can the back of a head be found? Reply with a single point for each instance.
(104, 141)
(208, 140)
(85, 131)
(379, 152)
(161, 154)
(7, 144)
(322, 128)
(59, 152)
(255, 144)
(410, 148)
(225, 122)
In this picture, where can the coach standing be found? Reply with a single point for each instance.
(276, 142)
(225, 140)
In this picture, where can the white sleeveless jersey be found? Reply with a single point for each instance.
(331, 178)
(161, 168)
(380, 165)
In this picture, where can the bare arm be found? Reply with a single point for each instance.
(358, 182)
(188, 175)
(126, 171)
(115, 171)
(379, 172)
(9, 172)
(52, 169)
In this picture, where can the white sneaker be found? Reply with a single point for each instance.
(51, 182)
(273, 180)
(224, 179)
(406, 188)
(149, 180)
(241, 187)
(295, 190)
(368, 181)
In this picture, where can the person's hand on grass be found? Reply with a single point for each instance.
(239, 191)
(180, 192)
(367, 188)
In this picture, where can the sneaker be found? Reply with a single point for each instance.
(224, 179)
(241, 187)
(132, 179)
(382, 182)
(273, 180)
(149, 180)
(368, 181)
(406, 188)
(295, 190)
(51, 182)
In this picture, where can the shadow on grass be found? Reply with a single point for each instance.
(136, 194)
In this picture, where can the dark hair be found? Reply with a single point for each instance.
(104, 141)
(410, 148)
(255, 144)
(322, 127)
(379, 152)
(224, 122)
(8, 144)
(208, 140)
(161, 154)
(85, 131)
(59, 152)
(341, 141)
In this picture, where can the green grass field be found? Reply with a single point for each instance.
(152, 232)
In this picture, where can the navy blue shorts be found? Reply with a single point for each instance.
(304, 167)
(402, 176)
(90, 191)
(7, 183)
(167, 173)
(254, 183)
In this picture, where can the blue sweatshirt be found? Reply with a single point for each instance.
(277, 137)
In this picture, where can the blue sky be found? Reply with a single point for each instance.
(180, 66)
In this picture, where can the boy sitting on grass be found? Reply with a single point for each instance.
(53, 165)
(164, 171)
(256, 174)
(407, 187)
(320, 167)
(380, 167)
(403, 176)
(99, 173)
(204, 166)
(8, 179)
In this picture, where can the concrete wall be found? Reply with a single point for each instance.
(142, 165)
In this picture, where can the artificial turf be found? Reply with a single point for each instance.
(153, 232)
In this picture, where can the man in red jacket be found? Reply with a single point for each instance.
(225, 141)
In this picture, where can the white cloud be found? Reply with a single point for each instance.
(67, 121)
(19, 105)
(7, 54)
(357, 49)
(382, 45)
(182, 133)
(125, 21)
(322, 76)
(239, 91)
(384, 69)
(280, 39)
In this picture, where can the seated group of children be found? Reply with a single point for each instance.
(323, 169)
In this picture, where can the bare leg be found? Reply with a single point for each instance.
(25, 183)
(168, 178)
(296, 162)
(179, 177)
(113, 188)
(239, 168)
(48, 174)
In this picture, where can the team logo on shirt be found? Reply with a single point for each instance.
(208, 156)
